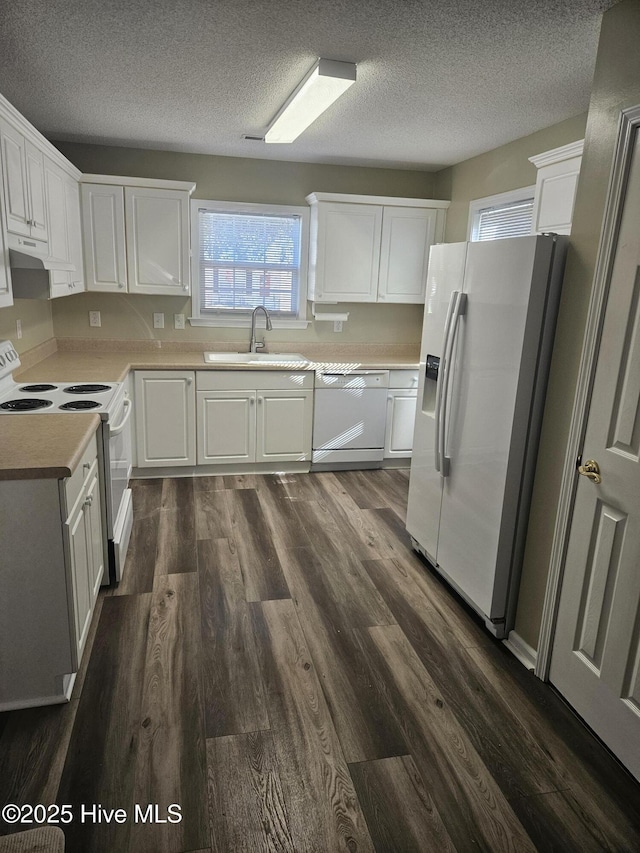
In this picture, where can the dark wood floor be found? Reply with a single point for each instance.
(281, 665)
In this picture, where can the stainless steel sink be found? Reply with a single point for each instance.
(253, 357)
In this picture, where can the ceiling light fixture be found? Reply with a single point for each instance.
(323, 85)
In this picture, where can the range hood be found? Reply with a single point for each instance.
(24, 259)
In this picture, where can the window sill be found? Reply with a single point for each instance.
(245, 323)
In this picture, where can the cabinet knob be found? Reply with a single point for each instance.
(260, 399)
(86, 465)
(189, 381)
(121, 284)
(252, 401)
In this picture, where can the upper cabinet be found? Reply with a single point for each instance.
(371, 248)
(62, 195)
(136, 235)
(556, 184)
(23, 184)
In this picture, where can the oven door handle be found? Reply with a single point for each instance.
(116, 430)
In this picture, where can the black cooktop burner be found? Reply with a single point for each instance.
(27, 404)
(38, 388)
(79, 405)
(87, 389)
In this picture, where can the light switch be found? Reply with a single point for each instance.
(178, 321)
(158, 320)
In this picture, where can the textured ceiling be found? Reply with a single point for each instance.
(438, 80)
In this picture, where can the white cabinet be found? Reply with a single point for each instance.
(49, 583)
(6, 294)
(401, 413)
(256, 417)
(23, 184)
(136, 235)
(556, 185)
(165, 418)
(62, 197)
(371, 248)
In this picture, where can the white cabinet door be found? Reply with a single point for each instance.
(6, 295)
(103, 228)
(226, 427)
(284, 425)
(348, 252)
(79, 549)
(16, 204)
(54, 181)
(407, 236)
(401, 415)
(36, 191)
(556, 186)
(157, 227)
(165, 418)
(74, 232)
(93, 520)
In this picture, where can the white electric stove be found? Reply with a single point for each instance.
(111, 401)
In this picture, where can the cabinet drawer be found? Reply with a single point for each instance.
(403, 379)
(253, 380)
(75, 483)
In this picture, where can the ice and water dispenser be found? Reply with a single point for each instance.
(432, 369)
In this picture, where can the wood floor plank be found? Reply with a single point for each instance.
(369, 489)
(171, 754)
(281, 518)
(472, 807)
(247, 809)
(354, 599)
(400, 812)
(611, 799)
(211, 515)
(177, 493)
(232, 684)
(101, 759)
(515, 758)
(33, 749)
(261, 570)
(176, 549)
(324, 812)
(206, 484)
(241, 481)
(360, 714)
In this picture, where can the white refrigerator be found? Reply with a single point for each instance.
(489, 323)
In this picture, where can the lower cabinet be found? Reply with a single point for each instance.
(253, 416)
(165, 418)
(401, 414)
(49, 583)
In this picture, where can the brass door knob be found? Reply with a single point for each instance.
(590, 469)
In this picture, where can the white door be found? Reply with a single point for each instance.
(157, 224)
(93, 519)
(284, 425)
(348, 252)
(35, 187)
(401, 416)
(596, 652)
(58, 228)
(103, 228)
(226, 427)
(74, 232)
(165, 418)
(6, 294)
(77, 533)
(16, 204)
(407, 236)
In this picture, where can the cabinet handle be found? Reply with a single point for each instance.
(389, 398)
(189, 381)
(86, 465)
(88, 500)
(252, 401)
(260, 399)
(121, 284)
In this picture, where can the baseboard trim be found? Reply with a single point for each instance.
(522, 650)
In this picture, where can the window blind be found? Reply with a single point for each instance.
(249, 259)
(508, 220)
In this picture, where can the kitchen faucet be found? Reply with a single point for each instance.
(254, 345)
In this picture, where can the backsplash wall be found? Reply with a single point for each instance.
(35, 315)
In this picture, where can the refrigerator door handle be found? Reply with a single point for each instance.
(459, 309)
(441, 378)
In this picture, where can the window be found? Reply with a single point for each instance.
(247, 255)
(504, 215)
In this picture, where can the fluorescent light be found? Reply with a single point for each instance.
(323, 85)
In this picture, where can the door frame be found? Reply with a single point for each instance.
(628, 124)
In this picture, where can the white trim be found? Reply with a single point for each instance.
(510, 197)
(557, 155)
(314, 198)
(628, 123)
(123, 181)
(522, 650)
(238, 320)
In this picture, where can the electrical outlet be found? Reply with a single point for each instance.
(158, 320)
(94, 318)
(178, 321)
(18, 329)
(337, 325)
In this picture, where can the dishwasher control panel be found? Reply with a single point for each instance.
(355, 379)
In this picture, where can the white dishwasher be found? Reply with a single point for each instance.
(349, 419)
